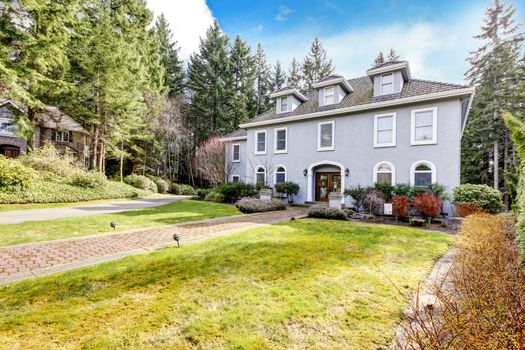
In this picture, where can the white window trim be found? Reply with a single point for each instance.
(285, 173)
(394, 132)
(233, 153)
(381, 84)
(391, 167)
(413, 171)
(265, 141)
(275, 150)
(255, 174)
(333, 95)
(279, 100)
(9, 120)
(433, 141)
(236, 176)
(331, 148)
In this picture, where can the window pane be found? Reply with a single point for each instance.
(423, 133)
(424, 118)
(280, 177)
(281, 140)
(329, 95)
(384, 178)
(326, 135)
(236, 155)
(384, 168)
(284, 104)
(8, 126)
(422, 179)
(260, 178)
(261, 142)
(384, 137)
(235, 179)
(385, 123)
(387, 78)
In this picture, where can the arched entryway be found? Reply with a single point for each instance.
(9, 151)
(324, 177)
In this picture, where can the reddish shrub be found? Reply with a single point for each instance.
(428, 205)
(466, 209)
(400, 205)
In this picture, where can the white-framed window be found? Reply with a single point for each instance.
(329, 95)
(325, 136)
(387, 83)
(385, 130)
(236, 152)
(62, 136)
(385, 172)
(260, 175)
(424, 126)
(283, 104)
(260, 142)
(8, 126)
(422, 173)
(280, 136)
(236, 178)
(280, 174)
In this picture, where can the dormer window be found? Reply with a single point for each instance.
(328, 95)
(387, 83)
(287, 100)
(283, 103)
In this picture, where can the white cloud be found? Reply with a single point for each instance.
(188, 20)
(282, 13)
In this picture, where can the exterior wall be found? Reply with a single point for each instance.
(236, 168)
(398, 83)
(354, 148)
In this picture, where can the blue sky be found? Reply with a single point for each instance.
(435, 37)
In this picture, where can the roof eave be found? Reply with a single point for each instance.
(334, 81)
(289, 92)
(389, 68)
(236, 138)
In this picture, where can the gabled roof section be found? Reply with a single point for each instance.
(362, 98)
(237, 135)
(289, 91)
(332, 80)
(53, 118)
(15, 104)
(391, 66)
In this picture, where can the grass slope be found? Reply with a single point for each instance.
(173, 213)
(307, 284)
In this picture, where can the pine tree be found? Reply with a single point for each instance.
(242, 62)
(294, 75)
(392, 56)
(210, 84)
(262, 81)
(494, 71)
(379, 60)
(174, 78)
(316, 65)
(278, 78)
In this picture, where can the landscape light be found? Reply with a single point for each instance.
(113, 224)
(176, 238)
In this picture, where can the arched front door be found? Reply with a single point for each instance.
(326, 183)
(9, 151)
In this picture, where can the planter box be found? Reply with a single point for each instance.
(265, 194)
(334, 200)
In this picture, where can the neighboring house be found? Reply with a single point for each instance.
(52, 126)
(383, 127)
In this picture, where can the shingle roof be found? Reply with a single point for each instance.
(362, 95)
(236, 133)
(53, 118)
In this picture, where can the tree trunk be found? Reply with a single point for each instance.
(496, 154)
(505, 170)
(94, 148)
(121, 161)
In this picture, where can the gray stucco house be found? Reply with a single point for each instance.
(382, 127)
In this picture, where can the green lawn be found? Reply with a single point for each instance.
(306, 284)
(173, 213)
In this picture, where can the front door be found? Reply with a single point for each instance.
(326, 183)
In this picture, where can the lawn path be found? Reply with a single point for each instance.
(20, 216)
(39, 259)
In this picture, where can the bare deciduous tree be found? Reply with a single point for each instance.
(210, 161)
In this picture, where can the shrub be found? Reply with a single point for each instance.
(374, 200)
(400, 206)
(14, 175)
(88, 179)
(428, 205)
(289, 189)
(203, 192)
(49, 160)
(175, 188)
(402, 190)
(187, 190)
(162, 185)
(325, 212)
(466, 209)
(232, 192)
(152, 186)
(387, 189)
(255, 205)
(489, 199)
(214, 197)
(138, 181)
(439, 191)
(357, 193)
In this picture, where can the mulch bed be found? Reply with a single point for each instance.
(437, 224)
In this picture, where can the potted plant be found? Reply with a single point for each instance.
(289, 189)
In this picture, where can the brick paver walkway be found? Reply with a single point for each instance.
(44, 258)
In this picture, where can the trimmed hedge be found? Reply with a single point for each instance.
(214, 197)
(488, 199)
(88, 179)
(187, 190)
(203, 192)
(255, 205)
(175, 188)
(232, 192)
(14, 175)
(138, 181)
(323, 211)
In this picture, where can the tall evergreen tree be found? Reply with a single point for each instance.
(262, 81)
(294, 75)
(379, 60)
(494, 71)
(392, 56)
(278, 77)
(174, 77)
(243, 103)
(316, 65)
(210, 85)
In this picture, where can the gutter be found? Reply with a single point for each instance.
(237, 138)
(353, 109)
